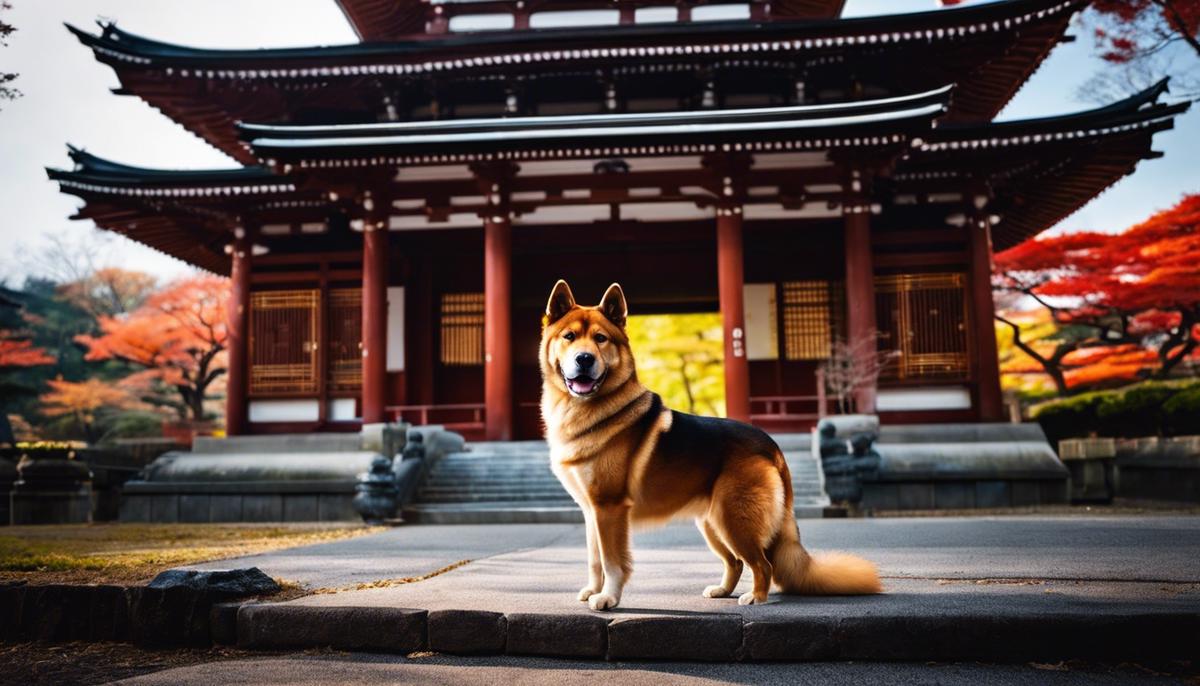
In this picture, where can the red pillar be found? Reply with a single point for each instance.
(987, 364)
(237, 376)
(860, 295)
(730, 282)
(497, 328)
(374, 321)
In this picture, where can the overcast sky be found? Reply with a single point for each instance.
(67, 99)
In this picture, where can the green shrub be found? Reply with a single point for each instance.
(133, 425)
(1071, 417)
(1181, 414)
(1134, 411)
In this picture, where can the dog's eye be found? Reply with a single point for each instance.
(600, 338)
(570, 335)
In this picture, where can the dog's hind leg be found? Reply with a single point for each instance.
(746, 502)
(612, 525)
(733, 566)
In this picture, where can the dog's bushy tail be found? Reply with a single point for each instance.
(795, 571)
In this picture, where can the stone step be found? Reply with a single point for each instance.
(463, 497)
(533, 512)
(485, 486)
(512, 482)
(465, 501)
(493, 464)
(502, 477)
(492, 469)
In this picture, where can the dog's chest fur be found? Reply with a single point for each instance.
(613, 470)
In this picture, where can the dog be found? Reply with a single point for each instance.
(627, 459)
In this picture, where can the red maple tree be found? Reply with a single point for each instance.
(17, 351)
(177, 337)
(1109, 292)
(1142, 41)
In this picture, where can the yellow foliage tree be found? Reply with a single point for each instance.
(681, 357)
(85, 401)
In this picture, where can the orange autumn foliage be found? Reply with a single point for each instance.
(84, 400)
(18, 352)
(1127, 305)
(178, 337)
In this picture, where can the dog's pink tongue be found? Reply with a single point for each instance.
(582, 385)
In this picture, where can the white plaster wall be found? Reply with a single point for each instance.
(395, 329)
(300, 410)
(928, 398)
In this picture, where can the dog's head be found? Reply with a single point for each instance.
(585, 351)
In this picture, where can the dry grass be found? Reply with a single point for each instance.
(135, 553)
(388, 583)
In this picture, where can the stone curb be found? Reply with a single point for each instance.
(1135, 635)
(711, 638)
(348, 628)
(467, 632)
(156, 615)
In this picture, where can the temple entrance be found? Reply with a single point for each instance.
(682, 358)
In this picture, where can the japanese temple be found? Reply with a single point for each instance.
(402, 206)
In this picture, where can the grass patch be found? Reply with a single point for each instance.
(135, 553)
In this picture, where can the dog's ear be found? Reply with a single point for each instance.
(613, 306)
(561, 302)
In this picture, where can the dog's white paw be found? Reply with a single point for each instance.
(750, 599)
(585, 593)
(602, 601)
(717, 591)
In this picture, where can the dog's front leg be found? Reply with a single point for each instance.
(595, 571)
(612, 527)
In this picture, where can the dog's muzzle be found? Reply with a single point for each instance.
(582, 385)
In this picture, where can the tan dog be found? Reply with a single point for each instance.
(625, 458)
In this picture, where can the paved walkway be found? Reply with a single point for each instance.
(1122, 549)
(956, 588)
(515, 671)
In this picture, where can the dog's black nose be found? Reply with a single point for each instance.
(585, 360)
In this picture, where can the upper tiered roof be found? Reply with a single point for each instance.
(862, 123)
(1038, 170)
(988, 50)
(389, 20)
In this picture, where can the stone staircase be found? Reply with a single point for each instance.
(511, 482)
(493, 483)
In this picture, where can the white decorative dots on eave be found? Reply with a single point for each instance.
(528, 57)
(193, 192)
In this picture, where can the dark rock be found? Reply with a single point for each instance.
(557, 635)
(347, 628)
(715, 638)
(218, 585)
(467, 631)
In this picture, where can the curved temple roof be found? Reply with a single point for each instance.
(989, 49)
(377, 20)
(1043, 170)
(182, 213)
(860, 123)
(1040, 170)
(946, 24)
